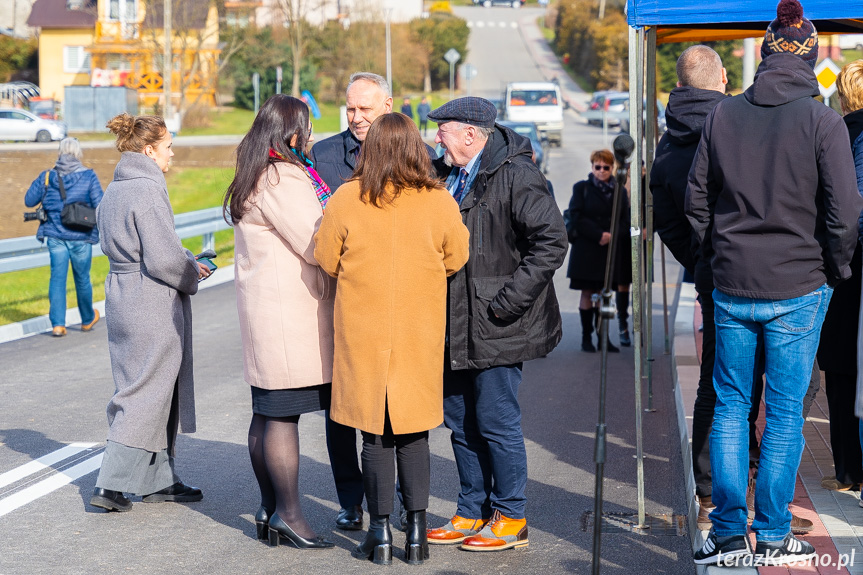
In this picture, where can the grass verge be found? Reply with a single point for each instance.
(24, 294)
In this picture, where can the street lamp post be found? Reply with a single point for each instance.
(389, 52)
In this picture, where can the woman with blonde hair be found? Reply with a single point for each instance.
(285, 304)
(149, 316)
(391, 235)
(840, 351)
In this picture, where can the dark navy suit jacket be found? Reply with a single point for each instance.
(336, 157)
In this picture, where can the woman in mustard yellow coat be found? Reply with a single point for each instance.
(391, 235)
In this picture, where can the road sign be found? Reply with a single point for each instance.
(826, 72)
(452, 56)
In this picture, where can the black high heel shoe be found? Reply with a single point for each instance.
(279, 529)
(417, 542)
(378, 546)
(262, 519)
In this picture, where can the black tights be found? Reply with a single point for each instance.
(274, 447)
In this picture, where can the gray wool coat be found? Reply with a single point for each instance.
(147, 307)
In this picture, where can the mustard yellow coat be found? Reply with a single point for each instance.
(390, 315)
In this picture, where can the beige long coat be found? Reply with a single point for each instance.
(392, 265)
(284, 300)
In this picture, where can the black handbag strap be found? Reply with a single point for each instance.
(62, 188)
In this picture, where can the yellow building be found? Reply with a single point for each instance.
(121, 43)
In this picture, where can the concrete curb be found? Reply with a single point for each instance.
(685, 367)
(41, 324)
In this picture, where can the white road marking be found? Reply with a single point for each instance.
(469, 24)
(43, 462)
(513, 25)
(480, 24)
(50, 484)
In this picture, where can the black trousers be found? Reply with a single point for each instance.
(705, 403)
(844, 435)
(379, 473)
(342, 449)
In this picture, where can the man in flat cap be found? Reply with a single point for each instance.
(502, 312)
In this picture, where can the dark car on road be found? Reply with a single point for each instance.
(539, 143)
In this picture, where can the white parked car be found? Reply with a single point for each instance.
(851, 41)
(18, 124)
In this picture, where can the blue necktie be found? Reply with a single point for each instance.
(460, 187)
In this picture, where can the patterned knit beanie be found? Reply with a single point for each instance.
(791, 33)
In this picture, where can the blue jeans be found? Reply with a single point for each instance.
(790, 330)
(480, 407)
(80, 254)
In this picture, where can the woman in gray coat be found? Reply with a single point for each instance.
(149, 316)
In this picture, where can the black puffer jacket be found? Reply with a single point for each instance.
(502, 306)
(774, 176)
(687, 109)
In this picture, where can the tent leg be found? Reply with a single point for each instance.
(636, 90)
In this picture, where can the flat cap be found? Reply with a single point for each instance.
(470, 110)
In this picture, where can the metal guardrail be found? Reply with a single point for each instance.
(28, 252)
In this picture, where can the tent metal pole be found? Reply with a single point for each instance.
(636, 115)
(649, 147)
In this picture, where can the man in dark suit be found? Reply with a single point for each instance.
(367, 97)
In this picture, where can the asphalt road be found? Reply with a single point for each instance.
(53, 393)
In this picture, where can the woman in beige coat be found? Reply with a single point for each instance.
(392, 235)
(285, 306)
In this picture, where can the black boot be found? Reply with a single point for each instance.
(417, 542)
(621, 298)
(378, 546)
(587, 330)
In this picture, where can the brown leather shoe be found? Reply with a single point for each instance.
(800, 526)
(500, 533)
(833, 484)
(456, 531)
(705, 506)
(89, 326)
(58, 331)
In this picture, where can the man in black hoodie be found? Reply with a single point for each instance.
(700, 86)
(773, 199)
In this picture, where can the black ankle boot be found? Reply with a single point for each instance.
(621, 300)
(417, 542)
(378, 546)
(587, 330)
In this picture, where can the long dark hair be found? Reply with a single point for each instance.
(393, 153)
(279, 120)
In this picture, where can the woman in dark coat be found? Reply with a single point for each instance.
(590, 214)
(149, 315)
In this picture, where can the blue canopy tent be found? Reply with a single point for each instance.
(653, 22)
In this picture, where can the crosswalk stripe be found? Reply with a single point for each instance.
(52, 483)
(43, 462)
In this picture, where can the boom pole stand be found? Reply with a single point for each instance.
(623, 146)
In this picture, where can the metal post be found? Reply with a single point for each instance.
(168, 57)
(256, 86)
(649, 147)
(636, 106)
(209, 242)
(748, 62)
(667, 349)
(451, 79)
(389, 53)
(623, 145)
(278, 79)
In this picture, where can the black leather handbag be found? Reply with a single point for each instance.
(79, 216)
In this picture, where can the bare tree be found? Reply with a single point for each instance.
(295, 15)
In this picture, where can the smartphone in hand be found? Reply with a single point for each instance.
(210, 266)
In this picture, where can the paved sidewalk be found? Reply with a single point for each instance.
(837, 516)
